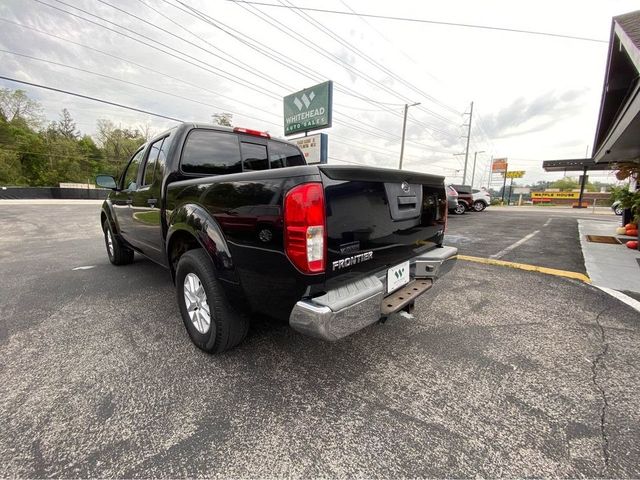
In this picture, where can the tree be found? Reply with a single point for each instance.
(566, 183)
(118, 144)
(66, 126)
(15, 106)
(223, 119)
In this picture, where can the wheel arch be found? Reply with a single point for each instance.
(106, 213)
(191, 226)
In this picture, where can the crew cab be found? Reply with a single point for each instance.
(244, 226)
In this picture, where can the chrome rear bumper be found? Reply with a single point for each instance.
(354, 306)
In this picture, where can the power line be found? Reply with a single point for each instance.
(146, 87)
(241, 65)
(349, 46)
(215, 23)
(87, 97)
(433, 22)
(156, 72)
(213, 69)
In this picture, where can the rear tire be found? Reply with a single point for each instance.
(212, 323)
(479, 206)
(460, 209)
(618, 210)
(117, 252)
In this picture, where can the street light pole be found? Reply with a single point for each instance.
(466, 156)
(404, 130)
(473, 172)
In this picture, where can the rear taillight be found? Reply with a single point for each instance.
(304, 227)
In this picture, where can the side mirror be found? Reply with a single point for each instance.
(106, 181)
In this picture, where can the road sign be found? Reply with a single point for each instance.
(308, 109)
(515, 174)
(499, 165)
(314, 147)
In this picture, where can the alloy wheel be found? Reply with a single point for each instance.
(195, 299)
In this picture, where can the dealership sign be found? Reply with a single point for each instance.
(314, 147)
(308, 109)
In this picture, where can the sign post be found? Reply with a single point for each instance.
(511, 175)
(309, 109)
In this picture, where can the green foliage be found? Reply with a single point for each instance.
(568, 184)
(223, 119)
(35, 156)
(15, 106)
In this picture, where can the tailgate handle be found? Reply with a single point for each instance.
(405, 203)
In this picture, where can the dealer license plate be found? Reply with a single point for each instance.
(397, 276)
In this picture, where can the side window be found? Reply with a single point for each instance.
(150, 165)
(283, 155)
(254, 156)
(131, 174)
(211, 153)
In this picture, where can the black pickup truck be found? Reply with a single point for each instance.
(244, 225)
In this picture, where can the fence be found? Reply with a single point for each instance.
(17, 193)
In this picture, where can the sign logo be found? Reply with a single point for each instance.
(308, 109)
(399, 273)
(405, 187)
(306, 101)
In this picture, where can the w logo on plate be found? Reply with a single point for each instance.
(304, 100)
(399, 273)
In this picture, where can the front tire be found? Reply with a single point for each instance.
(479, 206)
(460, 209)
(618, 210)
(117, 252)
(212, 323)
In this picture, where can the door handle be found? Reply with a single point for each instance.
(152, 202)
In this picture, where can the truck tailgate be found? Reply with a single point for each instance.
(377, 218)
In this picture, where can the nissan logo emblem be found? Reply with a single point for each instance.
(405, 187)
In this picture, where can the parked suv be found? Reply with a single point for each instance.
(481, 199)
(452, 201)
(465, 196)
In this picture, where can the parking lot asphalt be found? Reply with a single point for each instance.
(501, 372)
(553, 241)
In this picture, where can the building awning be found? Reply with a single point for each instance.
(618, 131)
(576, 165)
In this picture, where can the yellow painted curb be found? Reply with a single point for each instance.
(525, 266)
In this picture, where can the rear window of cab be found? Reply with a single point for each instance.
(211, 152)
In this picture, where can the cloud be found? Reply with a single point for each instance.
(523, 117)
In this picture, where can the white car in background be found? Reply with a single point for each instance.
(481, 199)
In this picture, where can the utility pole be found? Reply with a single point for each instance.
(404, 130)
(466, 155)
(473, 173)
(490, 172)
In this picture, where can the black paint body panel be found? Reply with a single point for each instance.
(238, 220)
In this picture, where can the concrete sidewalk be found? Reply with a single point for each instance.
(610, 266)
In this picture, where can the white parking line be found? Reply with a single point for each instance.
(632, 302)
(503, 252)
(546, 224)
(85, 267)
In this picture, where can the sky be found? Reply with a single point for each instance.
(535, 97)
